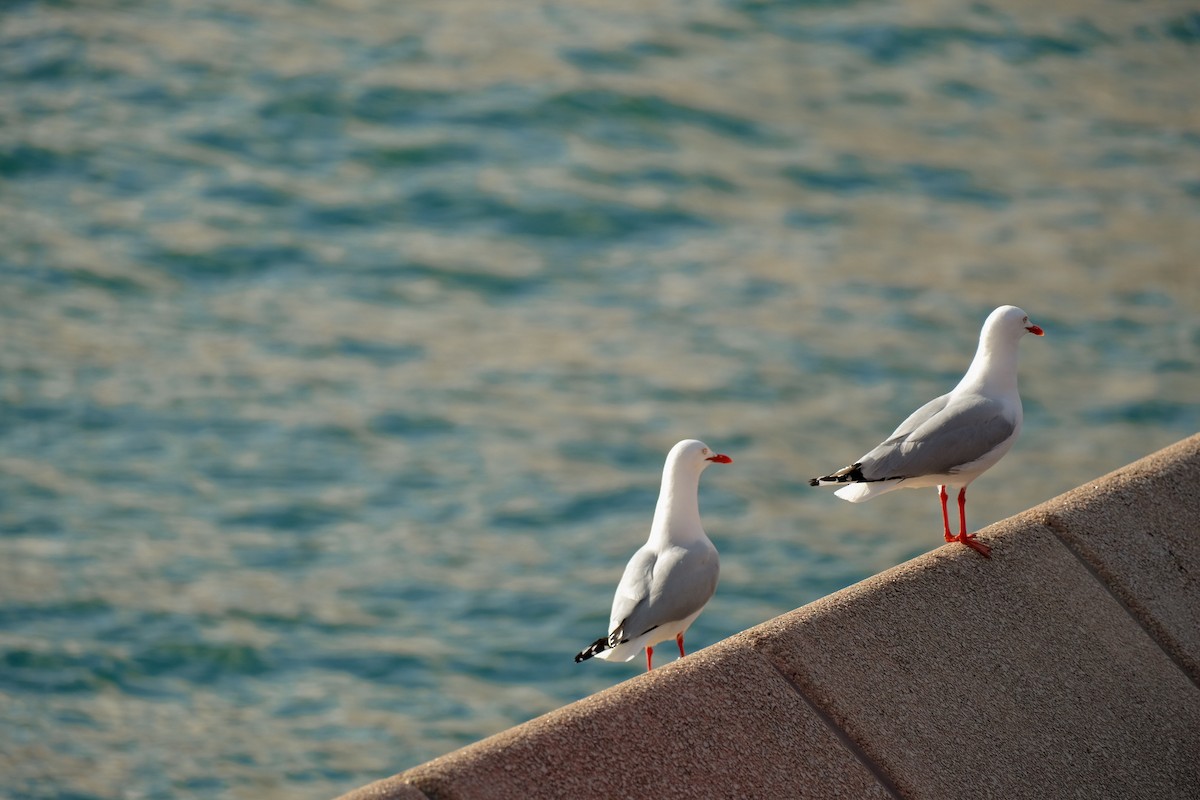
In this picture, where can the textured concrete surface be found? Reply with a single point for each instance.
(1064, 666)
(1015, 677)
(1139, 529)
(393, 788)
(721, 723)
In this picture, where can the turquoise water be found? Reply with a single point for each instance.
(341, 342)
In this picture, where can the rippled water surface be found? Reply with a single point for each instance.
(341, 342)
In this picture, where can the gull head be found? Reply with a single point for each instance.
(695, 454)
(1009, 322)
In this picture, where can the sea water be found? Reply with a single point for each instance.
(341, 342)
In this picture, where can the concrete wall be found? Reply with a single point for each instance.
(1067, 665)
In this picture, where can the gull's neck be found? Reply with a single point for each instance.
(993, 371)
(677, 515)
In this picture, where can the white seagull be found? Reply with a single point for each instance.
(672, 577)
(952, 440)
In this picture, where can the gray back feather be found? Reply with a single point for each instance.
(665, 587)
(940, 437)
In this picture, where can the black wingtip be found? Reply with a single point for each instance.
(850, 474)
(598, 646)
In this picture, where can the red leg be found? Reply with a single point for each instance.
(679, 641)
(649, 658)
(968, 538)
(945, 514)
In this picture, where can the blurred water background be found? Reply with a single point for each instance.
(341, 341)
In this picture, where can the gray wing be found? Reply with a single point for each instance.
(940, 437)
(918, 418)
(633, 592)
(658, 588)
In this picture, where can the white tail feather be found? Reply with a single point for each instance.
(622, 652)
(859, 492)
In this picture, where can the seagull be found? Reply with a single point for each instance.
(673, 575)
(955, 438)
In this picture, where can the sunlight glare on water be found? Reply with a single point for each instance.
(342, 342)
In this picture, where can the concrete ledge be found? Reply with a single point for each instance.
(1138, 530)
(727, 722)
(1065, 666)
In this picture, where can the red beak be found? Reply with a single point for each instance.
(1035, 330)
(720, 458)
